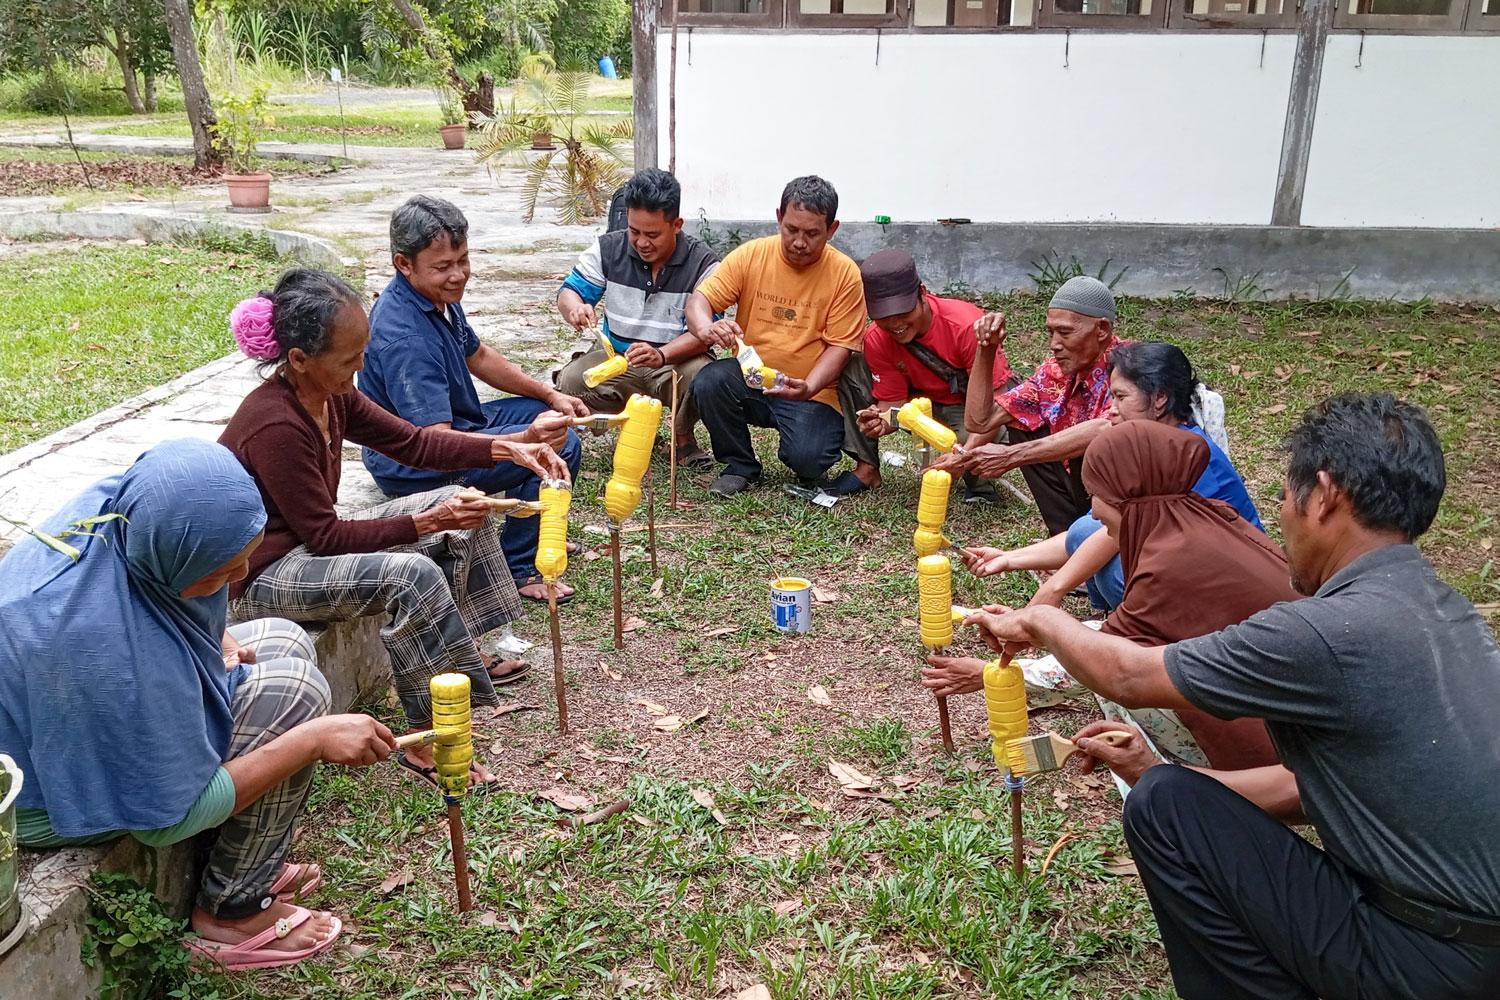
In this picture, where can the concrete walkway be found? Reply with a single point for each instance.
(516, 271)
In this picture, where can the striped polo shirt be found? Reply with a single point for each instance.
(636, 308)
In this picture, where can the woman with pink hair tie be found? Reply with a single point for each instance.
(430, 564)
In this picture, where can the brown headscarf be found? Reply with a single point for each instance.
(1192, 565)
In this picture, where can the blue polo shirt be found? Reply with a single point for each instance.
(416, 365)
(1221, 481)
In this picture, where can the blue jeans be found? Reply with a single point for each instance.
(812, 433)
(510, 415)
(1106, 587)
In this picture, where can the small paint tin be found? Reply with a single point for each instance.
(791, 604)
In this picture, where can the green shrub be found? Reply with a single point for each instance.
(584, 30)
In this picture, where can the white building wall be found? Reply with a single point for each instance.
(1163, 127)
(1407, 134)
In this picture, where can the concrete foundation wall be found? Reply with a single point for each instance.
(1447, 265)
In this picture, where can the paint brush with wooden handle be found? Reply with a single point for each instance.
(1049, 751)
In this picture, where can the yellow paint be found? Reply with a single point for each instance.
(454, 751)
(622, 494)
(1005, 705)
(552, 538)
(791, 583)
(935, 601)
(932, 511)
(916, 416)
(605, 370)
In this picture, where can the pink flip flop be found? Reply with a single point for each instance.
(252, 954)
(286, 888)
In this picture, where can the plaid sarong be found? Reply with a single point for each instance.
(442, 594)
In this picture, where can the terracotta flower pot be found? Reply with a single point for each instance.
(249, 190)
(542, 140)
(453, 135)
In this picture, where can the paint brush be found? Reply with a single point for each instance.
(1049, 751)
(424, 737)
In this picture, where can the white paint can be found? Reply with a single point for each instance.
(791, 604)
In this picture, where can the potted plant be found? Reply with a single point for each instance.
(454, 125)
(588, 160)
(240, 122)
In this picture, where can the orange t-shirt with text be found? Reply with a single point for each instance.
(788, 315)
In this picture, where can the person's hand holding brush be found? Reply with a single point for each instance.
(1128, 760)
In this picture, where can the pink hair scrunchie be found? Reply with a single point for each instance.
(250, 322)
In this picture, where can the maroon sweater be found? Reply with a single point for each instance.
(282, 447)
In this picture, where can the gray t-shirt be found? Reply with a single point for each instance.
(1382, 695)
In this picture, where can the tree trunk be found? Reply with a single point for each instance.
(485, 96)
(200, 110)
(413, 17)
(120, 48)
(149, 98)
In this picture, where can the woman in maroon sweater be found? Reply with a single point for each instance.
(432, 562)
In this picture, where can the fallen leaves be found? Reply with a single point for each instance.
(651, 707)
(610, 672)
(703, 797)
(714, 633)
(849, 779)
(656, 586)
(672, 723)
(818, 695)
(564, 799)
(632, 623)
(786, 906)
(399, 880)
(513, 706)
(824, 595)
(756, 992)
(1118, 864)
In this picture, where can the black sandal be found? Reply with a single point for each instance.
(429, 776)
(534, 579)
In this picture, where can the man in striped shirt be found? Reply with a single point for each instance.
(644, 273)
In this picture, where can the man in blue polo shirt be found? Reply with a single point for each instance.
(644, 273)
(421, 364)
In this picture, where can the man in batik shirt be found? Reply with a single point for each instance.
(1051, 417)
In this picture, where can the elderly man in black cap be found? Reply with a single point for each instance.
(1053, 416)
(920, 345)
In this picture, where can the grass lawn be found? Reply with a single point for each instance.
(56, 172)
(84, 329)
(904, 893)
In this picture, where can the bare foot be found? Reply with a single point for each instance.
(539, 590)
(233, 932)
(478, 773)
(868, 474)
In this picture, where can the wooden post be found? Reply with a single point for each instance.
(942, 703)
(558, 685)
(614, 551)
(672, 448)
(460, 856)
(651, 517)
(1017, 843)
(643, 20)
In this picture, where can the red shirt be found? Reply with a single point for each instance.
(1061, 401)
(898, 373)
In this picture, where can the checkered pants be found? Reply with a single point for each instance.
(442, 595)
(284, 690)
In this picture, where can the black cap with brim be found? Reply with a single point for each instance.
(892, 286)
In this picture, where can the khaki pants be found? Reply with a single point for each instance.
(611, 396)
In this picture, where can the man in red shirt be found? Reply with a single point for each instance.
(1054, 415)
(920, 345)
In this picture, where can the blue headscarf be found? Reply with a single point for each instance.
(113, 694)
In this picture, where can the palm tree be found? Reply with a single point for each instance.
(588, 162)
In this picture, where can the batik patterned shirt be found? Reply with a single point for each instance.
(1060, 401)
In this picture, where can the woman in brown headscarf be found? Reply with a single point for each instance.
(1192, 565)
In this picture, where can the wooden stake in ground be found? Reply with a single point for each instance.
(1017, 842)
(651, 519)
(453, 757)
(558, 679)
(935, 613)
(672, 449)
(614, 554)
(942, 704)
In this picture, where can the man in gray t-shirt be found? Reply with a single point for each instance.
(1380, 693)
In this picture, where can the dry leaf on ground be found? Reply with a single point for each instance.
(656, 586)
(396, 881)
(632, 623)
(564, 799)
(512, 706)
(489, 918)
(668, 723)
(849, 778)
(651, 707)
(905, 781)
(1117, 864)
(787, 906)
(824, 595)
(703, 797)
(818, 695)
(726, 630)
(909, 623)
(696, 717)
(722, 819)
(610, 672)
(756, 992)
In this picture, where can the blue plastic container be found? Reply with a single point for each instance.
(607, 69)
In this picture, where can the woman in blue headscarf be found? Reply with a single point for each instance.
(131, 709)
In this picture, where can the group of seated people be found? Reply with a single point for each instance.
(1336, 682)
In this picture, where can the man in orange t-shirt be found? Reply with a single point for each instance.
(802, 307)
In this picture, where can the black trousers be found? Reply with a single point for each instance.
(1249, 909)
(1057, 489)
